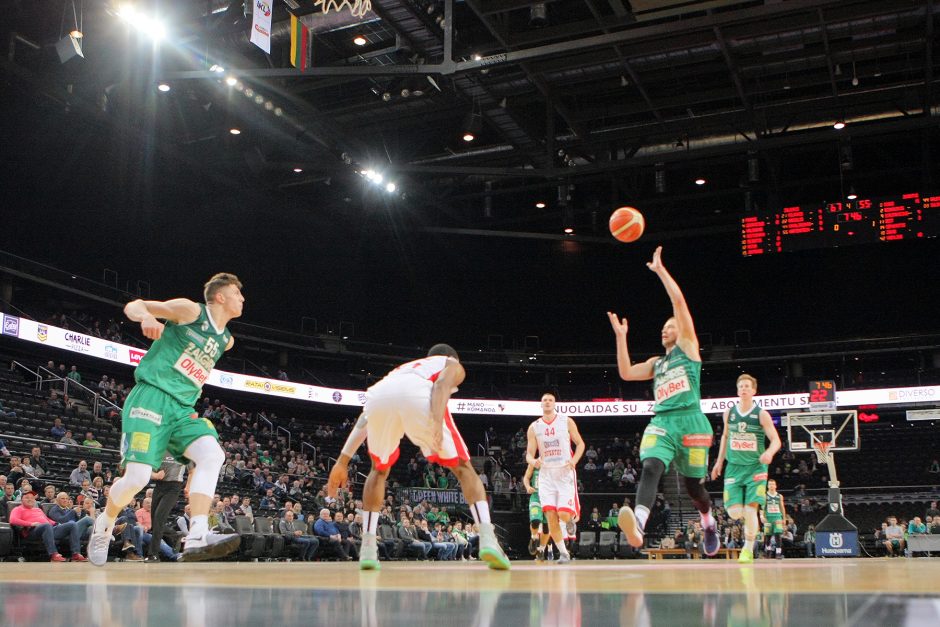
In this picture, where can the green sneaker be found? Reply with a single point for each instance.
(369, 553)
(746, 557)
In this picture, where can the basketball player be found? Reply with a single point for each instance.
(742, 439)
(538, 524)
(412, 400)
(551, 437)
(679, 431)
(774, 517)
(158, 415)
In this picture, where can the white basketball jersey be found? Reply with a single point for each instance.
(427, 368)
(554, 441)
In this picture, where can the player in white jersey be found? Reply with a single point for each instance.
(551, 436)
(412, 400)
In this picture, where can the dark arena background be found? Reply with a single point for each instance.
(386, 175)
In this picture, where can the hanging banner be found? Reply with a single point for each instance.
(261, 24)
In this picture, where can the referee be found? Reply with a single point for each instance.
(168, 484)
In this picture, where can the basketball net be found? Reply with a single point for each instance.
(822, 451)
(358, 8)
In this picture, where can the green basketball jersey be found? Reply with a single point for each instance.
(534, 481)
(772, 507)
(745, 436)
(676, 380)
(179, 362)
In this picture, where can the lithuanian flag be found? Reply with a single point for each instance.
(299, 43)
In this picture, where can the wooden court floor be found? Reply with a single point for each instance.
(881, 592)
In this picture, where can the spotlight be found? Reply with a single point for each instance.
(478, 57)
(386, 97)
(127, 12)
(259, 99)
(391, 187)
(839, 125)
(249, 92)
(569, 230)
(699, 181)
(369, 174)
(156, 29)
(163, 87)
(472, 126)
(540, 205)
(298, 170)
(851, 195)
(359, 40)
(278, 111)
(76, 34)
(234, 131)
(230, 81)
(69, 47)
(378, 178)
(216, 68)
(269, 105)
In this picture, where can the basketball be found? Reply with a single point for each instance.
(626, 224)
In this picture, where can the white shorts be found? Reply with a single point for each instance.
(558, 490)
(401, 405)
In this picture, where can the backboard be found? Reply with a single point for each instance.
(839, 427)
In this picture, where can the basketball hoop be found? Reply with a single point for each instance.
(822, 451)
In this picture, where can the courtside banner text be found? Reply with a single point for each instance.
(38, 333)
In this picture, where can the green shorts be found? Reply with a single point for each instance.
(153, 423)
(745, 485)
(535, 509)
(773, 527)
(680, 437)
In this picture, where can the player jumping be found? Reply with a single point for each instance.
(742, 439)
(679, 431)
(551, 436)
(158, 415)
(412, 400)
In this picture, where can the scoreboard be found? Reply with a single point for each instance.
(859, 221)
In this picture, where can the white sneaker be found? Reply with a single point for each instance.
(369, 553)
(208, 546)
(490, 551)
(98, 544)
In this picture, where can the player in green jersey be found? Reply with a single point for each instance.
(538, 524)
(774, 520)
(742, 441)
(679, 432)
(158, 415)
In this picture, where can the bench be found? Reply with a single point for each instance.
(658, 554)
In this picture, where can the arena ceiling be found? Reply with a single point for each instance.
(582, 105)
(598, 104)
